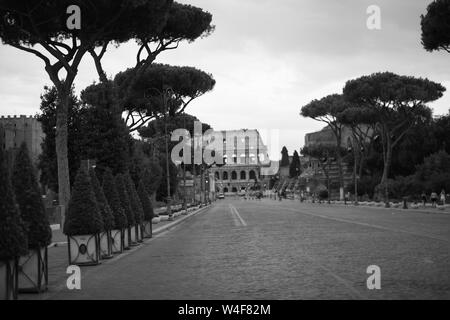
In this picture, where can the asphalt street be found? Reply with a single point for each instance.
(268, 249)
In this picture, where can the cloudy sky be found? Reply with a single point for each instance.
(269, 58)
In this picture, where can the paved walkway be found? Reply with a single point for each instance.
(280, 250)
(58, 255)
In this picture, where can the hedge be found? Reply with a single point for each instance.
(112, 196)
(103, 205)
(83, 214)
(28, 197)
(146, 202)
(13, 239)
(125, 199)
(136, 204)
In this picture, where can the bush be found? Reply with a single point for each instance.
(103, 205)
(13, 239)
(83, 215)
(146, 202)
(28, 197)
(136, 204)
(125, 199)
(112, 196)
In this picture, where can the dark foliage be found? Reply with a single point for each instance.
(121, 185)
(47, 118)
(103, 205)
(436, 27)
(136, 204)
(112, 196)
(295, 166)
(83, 215)
(13, 238)
(105, 136)
(284, 157)
(145, 201)
(28, 197)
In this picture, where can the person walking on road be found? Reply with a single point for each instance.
(424, 199)
(434, 199)
(443, 197)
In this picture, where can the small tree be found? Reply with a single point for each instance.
(295, 166)
(83, 214)
(103, 205)
(29, 199)
(121, 185)
(136, 204)
(112, 196)
(284, 157)
(13, 239)
(436, 27)
(146, 201)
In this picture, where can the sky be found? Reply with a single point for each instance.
(269, 58)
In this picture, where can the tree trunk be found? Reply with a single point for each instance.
(386, 169)
(62, 149)
(340, 171)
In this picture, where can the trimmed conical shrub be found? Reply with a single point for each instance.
(28, 197)
(112, 196)
(136, 204)
(103, 205)
(83, 215)
(125, 199)
(145, 201)
(13, 239)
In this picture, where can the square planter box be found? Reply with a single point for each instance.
(139, 236)
(147, 229)
(116, 241)
(105, 245)
(132, 236)
(33, 271)
(8, 279)
(84, 250)
(126, 239)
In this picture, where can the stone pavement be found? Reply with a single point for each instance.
(58, 254)
(268, 249)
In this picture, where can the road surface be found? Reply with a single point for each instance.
(282, 250)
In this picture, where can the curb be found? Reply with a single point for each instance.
(155, 231)
(383, 208)
(178, 221)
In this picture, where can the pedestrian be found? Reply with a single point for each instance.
(443, 197)
(434, 199)
(424, 199)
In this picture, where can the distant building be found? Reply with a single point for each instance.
(17, 129)
(244, 154)
(326, 137)
(313, 173)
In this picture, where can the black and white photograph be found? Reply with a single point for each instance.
(223, 155)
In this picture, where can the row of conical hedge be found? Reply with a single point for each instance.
(116, 204)
(24, 224)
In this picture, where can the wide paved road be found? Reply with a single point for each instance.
(282, 250)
